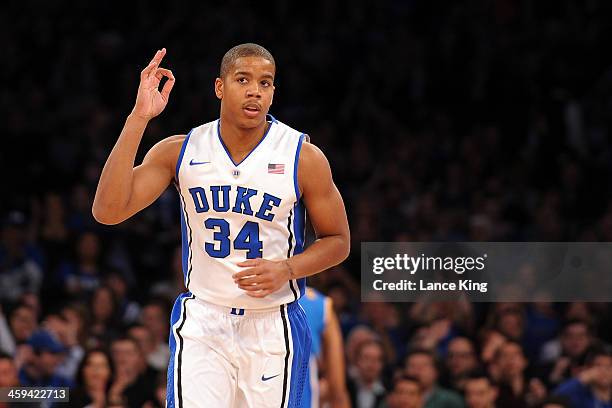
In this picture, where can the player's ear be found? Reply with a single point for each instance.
(219, 88)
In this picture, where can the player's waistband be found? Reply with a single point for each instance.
(236, 311)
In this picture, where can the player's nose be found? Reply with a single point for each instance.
(254, 91)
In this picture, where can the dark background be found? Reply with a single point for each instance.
(442, 120)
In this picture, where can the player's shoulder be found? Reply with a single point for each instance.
(168, 146)
(171, 142)
(165, 153)
(312, 159)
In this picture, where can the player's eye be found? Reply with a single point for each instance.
(266, 83)
(242, 80)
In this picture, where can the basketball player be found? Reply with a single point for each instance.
(328, 348)
(238, 337)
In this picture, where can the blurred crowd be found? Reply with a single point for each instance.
(443, 120)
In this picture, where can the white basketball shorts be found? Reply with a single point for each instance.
(235, 358)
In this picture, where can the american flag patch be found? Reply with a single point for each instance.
(276, 168)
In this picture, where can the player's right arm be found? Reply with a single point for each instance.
(333, 352)
(123, 189)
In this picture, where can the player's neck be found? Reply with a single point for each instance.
(240, 141)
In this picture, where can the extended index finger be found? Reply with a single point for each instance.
(157, 58)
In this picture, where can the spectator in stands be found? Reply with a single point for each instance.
(104, 323)
(75, 315)
(54, 234)
(421, 364)
(134, 381)
(81, 277)
(154, 316)
(8, 377)
(480, 391)
(67, 333)
(147, 344)
(592, 387)
(8, 371)
(491, 341)
(7, 342)
(365, 386)
(358, 336)
(407, 393)
(543, 324)
(460, 361)
(128, 309)
(383, 319)
(40, 365)
(22, 323)
(566, 355)
(20, 264)
(94, 377)
(510, 322)
(508, 370)
(160, 393)
(555, 402)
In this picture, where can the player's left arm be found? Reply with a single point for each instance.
(327, 214)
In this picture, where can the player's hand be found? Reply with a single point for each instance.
(262, 277)
(150, 102)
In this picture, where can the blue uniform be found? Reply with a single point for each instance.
(313, 303)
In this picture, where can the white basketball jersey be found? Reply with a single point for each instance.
(232, 212)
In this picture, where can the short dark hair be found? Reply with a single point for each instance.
(409, 378)
(556, 400)
(6, 356)
(422, 351)
(498, 352)
(240, 51)
(368, 343)
(573, 322)
(598, 351)
(480, 374)
(124, 337)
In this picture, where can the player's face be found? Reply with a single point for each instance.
(246, 92)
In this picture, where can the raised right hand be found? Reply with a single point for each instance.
(150, 102)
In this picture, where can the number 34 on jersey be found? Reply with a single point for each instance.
(217, 199)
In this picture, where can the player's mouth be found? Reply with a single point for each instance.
(251, 109)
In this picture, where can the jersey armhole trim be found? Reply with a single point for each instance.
(295, 167)
(180, 157)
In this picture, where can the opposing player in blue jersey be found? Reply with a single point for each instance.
(328, 349)
(238, 337)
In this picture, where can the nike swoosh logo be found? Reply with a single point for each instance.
(194, 163)
(264, 378)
